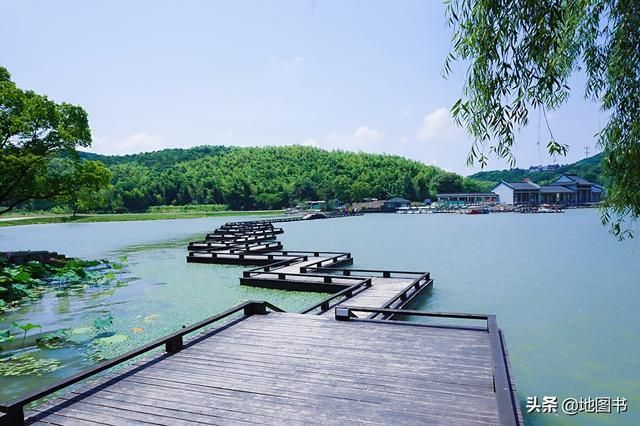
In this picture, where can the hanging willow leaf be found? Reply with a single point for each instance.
(521, 54)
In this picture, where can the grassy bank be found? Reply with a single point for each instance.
(122, 217)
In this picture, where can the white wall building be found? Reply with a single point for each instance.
(517, 193)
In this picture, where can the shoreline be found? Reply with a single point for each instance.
(127, 217)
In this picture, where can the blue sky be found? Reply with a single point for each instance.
(356, 75)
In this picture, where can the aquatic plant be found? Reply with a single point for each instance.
(24, 365)
(25, 328)
(5, 337)
(108, 347)
(26, 282)
(55, 340)
(103, 323)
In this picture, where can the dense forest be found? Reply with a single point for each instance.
(589, 168)
(267, 178)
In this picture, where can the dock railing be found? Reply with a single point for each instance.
(278, 264)
(241, 236)
(347, 293)
(384, 273)
(249, 248)
(173, 343)
(406, 295)
(296, 256)
(507, 405)
(322, 279)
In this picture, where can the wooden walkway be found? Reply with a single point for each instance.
(284, 368)
(305, 270)
(345, 360)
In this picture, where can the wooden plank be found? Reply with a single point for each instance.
(288, 368)
(291, 368)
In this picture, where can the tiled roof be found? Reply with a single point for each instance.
(576, 179)
(522, 185)
(555, 189)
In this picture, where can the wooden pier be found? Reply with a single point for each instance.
(345, 360)
(317, 271)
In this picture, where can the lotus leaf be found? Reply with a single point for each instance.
(26, 365)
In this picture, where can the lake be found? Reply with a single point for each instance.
(565, 292)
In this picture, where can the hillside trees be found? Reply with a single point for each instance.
(264, 178)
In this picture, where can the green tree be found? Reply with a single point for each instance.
(86, 186)
(269, 177)
(33, 132)
(521, 54)
(360, 189)
(446, 183)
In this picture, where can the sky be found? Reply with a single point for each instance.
(341, 74)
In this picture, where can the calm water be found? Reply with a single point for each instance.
(565, 292)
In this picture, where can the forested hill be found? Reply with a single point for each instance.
(268, 177)
(589, 168)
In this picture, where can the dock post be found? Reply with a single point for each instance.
(343, 314)
(255, 309)
(174, 345)
(13, 417)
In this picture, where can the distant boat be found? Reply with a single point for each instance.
(311, 216)
(549, 209)
(477, 210)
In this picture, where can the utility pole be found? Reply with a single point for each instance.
(586, 152)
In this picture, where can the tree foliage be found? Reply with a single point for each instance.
(589, 168)
(265, 178)
(38, 140)
(521, 54)
(86, 190)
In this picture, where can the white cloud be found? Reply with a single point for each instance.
(284, 63)
(439, 142)
(310, 142)
(136, 142)
(437, 125)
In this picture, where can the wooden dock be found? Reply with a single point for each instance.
(345, 360)
(297, 270)
(275, 368)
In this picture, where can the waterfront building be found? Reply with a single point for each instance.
(373, 205)
(585, 192)
(567, 190)
(316, 205)
(558, 195)
(518, 193)
(467, 199)
(395, 203)
(368, 206)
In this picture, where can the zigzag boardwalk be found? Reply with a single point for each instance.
(305, 270)
(352, 363)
